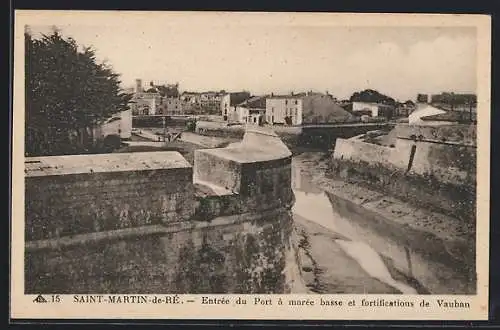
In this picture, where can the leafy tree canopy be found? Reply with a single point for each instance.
(370, 95)
(168, 91)
(452, 98)
(66, 91)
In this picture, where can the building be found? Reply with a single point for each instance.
(190, 98)
(202, 102)
(252, 111)
(228, 103)
(373, 109)
(172, 106)
(284, 109)
(304, 108)
(144, 103)
(210, 102)
(318, 108)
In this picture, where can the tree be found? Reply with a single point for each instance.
(67, 94)
(422, 98)
(168, 91)
(372, 96)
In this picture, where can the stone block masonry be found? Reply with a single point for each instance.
(132, 223)
(456, 133)
(433, 173)
(69, 195)
(235, 254)
(258, 170)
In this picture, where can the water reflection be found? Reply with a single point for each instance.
(313, 204)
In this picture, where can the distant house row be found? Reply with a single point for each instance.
(291, 109)
(152, 101)
(306, 108)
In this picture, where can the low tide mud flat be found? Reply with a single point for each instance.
(358, 240)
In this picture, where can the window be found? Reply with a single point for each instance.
(296, 102)
(286, 101)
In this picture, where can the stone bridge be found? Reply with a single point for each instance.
(313, 136)
(152, 223)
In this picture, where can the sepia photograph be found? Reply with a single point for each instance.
(244, 153)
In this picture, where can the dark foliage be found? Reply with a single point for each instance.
(370, 95)
(67, 94)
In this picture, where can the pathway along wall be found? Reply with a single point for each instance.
(138, 223)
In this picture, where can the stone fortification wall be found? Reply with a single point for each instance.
(295, 137)
(216, 129)
(235, 240)
(236, 254)
(450, 162)
(458, 133)
(357, 150)
(254, 174)
(435, 173)
(69, 195)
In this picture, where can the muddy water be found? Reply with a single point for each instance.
(343, 259)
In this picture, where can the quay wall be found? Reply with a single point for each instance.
(430, 258)
(433, 173)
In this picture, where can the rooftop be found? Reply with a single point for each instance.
(115, 162)
(289, 96)
(254, 102)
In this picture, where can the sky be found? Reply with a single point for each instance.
(272, 55)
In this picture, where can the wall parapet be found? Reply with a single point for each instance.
(439, 175)
(71, 195)
(449, 162)
(452, 133)
(255, 173)
(137, 228)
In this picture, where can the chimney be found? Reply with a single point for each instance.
(138, 85)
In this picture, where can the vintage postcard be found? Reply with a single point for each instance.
(223, 165)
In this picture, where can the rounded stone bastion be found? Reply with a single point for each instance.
(149, 222)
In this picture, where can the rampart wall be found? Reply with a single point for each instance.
(148, 222)
(432, 166)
